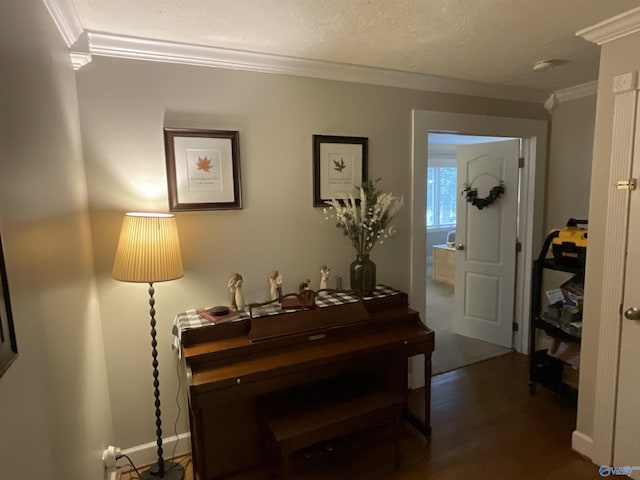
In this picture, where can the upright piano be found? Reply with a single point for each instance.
(231, 365)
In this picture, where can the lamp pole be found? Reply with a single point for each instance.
(148, 252)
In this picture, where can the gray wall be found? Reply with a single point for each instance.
(54, 407)
(58, 396)
(570, 156)
(568, 193)
(124, 106)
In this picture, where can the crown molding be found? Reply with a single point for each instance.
(551, 103)
(613, 28)
(577, 91)
(79, 59)
(66, 18)
(570, 93)
(120, 46)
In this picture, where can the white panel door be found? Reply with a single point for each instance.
(626, 454)
(486, 238)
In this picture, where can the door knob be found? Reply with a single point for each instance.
(632, 313)
(459, 246)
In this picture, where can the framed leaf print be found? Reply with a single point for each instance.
(339, 167)
(203, 169)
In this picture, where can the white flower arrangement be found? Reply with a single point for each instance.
(369, 222)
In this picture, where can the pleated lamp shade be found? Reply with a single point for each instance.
(148, 250)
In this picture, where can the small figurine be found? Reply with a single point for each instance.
(324, 277)
(239, 295)
(275, 281)
(304, 285)
(235, 292)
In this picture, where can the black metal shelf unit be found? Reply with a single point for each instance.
(557, 329)
(547, 371)
(544, 369)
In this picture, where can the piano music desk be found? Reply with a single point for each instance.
(228, 372)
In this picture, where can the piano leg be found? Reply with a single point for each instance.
(423, 427)
(427, 394)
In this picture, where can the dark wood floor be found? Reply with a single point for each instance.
(485, 426)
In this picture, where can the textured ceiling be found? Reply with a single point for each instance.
(494, 41)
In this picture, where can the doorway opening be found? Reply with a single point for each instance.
(530, 207)
(458, 346)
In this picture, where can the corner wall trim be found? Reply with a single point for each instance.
(145, 454)
(79, 59)
(613, 28)
(581, 443)
(608, 353)
(66, 18)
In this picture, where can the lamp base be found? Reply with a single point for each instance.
(172, 471)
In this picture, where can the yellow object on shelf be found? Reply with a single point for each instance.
(570, 243)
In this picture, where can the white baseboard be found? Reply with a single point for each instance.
(146, 454)
(582, 444)
(113, 474)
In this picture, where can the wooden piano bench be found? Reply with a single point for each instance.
(298, 418)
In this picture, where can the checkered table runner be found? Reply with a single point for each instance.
(191, 318)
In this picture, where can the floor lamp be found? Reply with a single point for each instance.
(149, 252)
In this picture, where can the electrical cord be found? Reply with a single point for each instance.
(175, 428)
(187, 463)
(184, 465)
(130, 463)
(175, 424)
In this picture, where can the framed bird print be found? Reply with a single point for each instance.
(339, 167)
(203, 169)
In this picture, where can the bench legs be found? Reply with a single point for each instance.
(396, 440)
(314, 413)
(283, 454)
(284, 463)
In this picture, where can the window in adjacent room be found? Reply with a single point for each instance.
(441, 196)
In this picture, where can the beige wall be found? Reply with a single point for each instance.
(124, 106)
(54, 410)
(569, 166)
(616, 58)
(568, 194)
(54, 400)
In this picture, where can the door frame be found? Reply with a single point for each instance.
(530, 213)
(624, 157)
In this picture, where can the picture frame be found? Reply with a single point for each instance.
(8, 344)
(339, 167)
(203, 169)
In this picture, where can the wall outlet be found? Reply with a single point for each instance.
(110, 456)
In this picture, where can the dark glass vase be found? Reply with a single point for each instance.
(363, 275)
